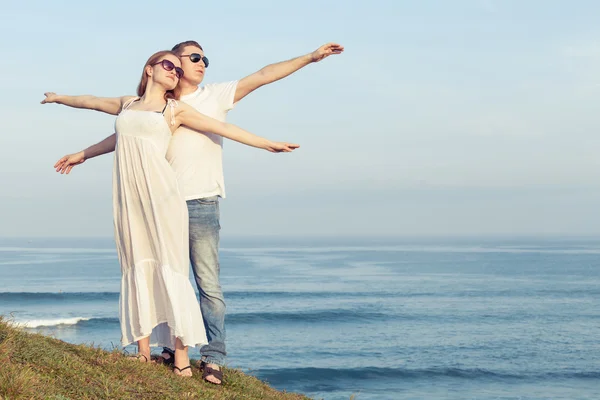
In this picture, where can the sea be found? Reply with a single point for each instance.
(362, 318)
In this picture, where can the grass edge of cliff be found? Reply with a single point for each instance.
(35, 366)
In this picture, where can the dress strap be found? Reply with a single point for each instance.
(171, 104)
(129, 103)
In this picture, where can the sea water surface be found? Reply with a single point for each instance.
(509, 318)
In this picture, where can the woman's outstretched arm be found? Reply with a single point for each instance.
(66, 163)
(109, 105)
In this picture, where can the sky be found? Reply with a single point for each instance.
(469, 117)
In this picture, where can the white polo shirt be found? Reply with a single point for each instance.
(197, 158)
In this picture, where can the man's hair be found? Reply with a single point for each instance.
(178, 48)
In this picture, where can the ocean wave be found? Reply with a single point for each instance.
(251, 318)
(258, 294)
(318, 376)
(57, 296)
(39, 323)
(56, 260)
(329, 316)
(20, 297)
(413, 249)
(233, 295)
(241, 295)
(74, 322)
(56, 250)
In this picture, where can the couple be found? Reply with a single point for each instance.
(167, 179)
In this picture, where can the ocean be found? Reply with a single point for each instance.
(377, 318)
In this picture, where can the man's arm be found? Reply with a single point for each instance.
(190, 117)
(66, 163)
(275, 72)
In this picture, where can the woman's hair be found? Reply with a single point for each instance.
(154, 58)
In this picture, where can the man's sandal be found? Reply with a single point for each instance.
(209, 371)
(171, 359)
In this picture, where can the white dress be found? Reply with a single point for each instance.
(151, 233)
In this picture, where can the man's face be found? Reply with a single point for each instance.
(193, 72)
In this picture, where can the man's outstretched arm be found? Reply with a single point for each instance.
(275, 72)
(66, 163)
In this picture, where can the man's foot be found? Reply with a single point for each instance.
(212, 373)
(168, 356)
(185, 371)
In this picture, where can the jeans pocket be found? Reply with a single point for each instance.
(208, 200)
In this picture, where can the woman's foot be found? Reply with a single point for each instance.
(185, 371)
(181, 366)
(141, 357)
(212, 373)
(143, 354)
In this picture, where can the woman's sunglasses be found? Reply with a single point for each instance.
(195, 57)
(169, 66)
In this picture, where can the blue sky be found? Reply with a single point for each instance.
(440, 118)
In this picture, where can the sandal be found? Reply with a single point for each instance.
(181, 370)
(171, 359)
(208, 371)
(137, 357)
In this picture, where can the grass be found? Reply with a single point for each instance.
(33, 366)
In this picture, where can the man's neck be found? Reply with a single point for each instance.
(187, 88)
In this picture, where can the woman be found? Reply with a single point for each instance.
(157, 302)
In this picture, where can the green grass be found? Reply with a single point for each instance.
(33, 366)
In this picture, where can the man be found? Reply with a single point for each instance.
(197, 161)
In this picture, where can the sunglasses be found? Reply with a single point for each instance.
(169, 66)
(195, 57)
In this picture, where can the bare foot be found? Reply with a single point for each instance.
(210, 377)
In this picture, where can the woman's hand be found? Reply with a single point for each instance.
(281, 147)
(66, 163)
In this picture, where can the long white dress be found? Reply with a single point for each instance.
(151, 233)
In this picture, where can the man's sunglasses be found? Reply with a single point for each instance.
(195, 57)
(169, 66)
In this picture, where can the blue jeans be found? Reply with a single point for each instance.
(204, 255)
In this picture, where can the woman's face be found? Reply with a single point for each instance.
(161, 74)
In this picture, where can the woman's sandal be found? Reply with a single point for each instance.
(137, 357)
(209, 371)
(181, 370)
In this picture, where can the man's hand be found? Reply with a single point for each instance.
(326, 50)
(275, 72)
(50, 98)
(66, 164)
(281, 147)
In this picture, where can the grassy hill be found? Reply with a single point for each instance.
(33, 366)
